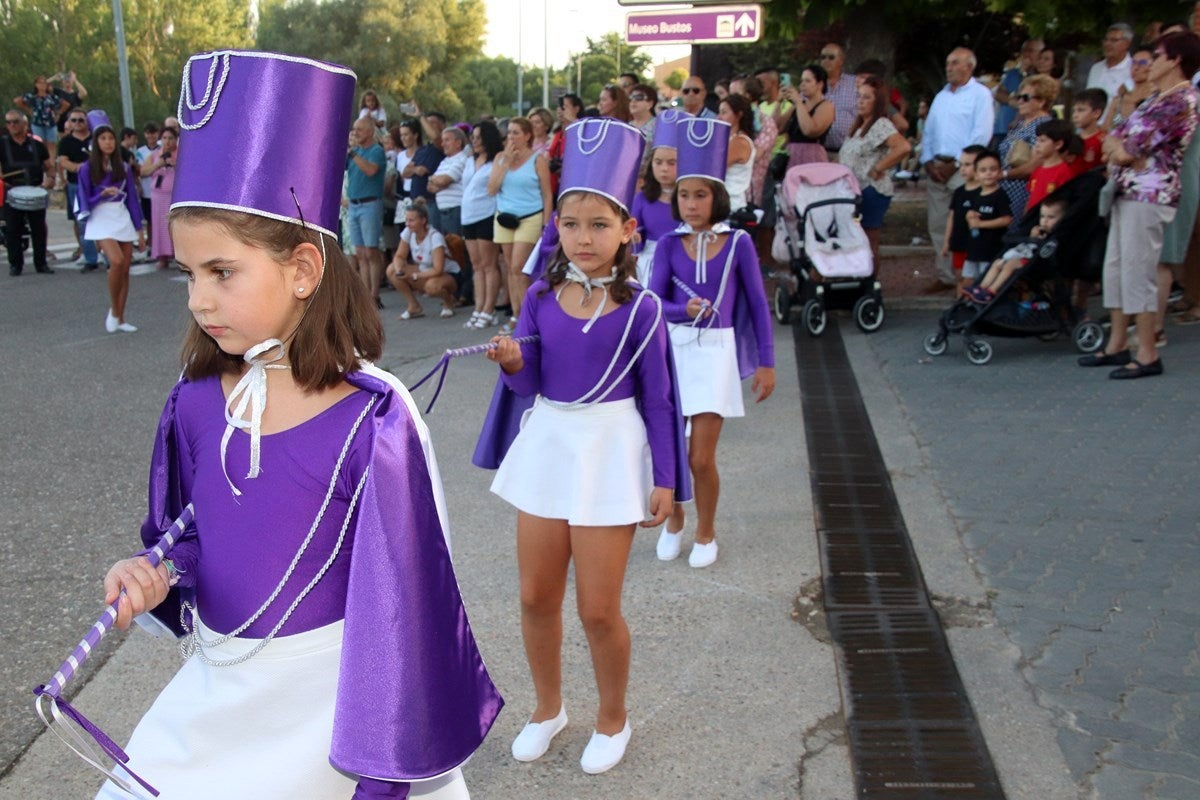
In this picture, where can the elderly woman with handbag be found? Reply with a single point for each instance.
(1034, 99)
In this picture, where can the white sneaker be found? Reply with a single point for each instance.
(669, 544)
(534, 739)
(605, 752)
(111, 323)
(446, 313)
(125, 327)
(702, 554)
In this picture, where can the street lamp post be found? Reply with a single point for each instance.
(123, 65)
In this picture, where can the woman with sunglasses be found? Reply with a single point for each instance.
(1033, 101)
(1127, 100)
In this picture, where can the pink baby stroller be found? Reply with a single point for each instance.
(818, 235)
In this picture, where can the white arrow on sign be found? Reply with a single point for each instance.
(744, 25)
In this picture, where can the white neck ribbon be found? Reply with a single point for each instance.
(250, 393)
(576, 275)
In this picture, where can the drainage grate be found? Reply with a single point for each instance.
(912, 731)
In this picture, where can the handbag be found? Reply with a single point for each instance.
(778, 166)
(507, 220)
(1106, 197)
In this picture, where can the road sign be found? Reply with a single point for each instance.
(707, 25)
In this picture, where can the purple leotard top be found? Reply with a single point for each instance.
(566, 363)
(231, 563)
(654, 218)
(671, 260)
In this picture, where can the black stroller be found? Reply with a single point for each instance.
(1037, 300)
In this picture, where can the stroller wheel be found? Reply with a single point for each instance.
(814, 317)
(781, 304)
(868, 313)
(979, 352)
(1088, 336)
(935, 344)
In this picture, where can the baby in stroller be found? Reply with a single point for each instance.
(1017, 256)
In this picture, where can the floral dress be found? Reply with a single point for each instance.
(1158, 131)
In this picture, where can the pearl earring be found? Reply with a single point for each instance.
(300, 290)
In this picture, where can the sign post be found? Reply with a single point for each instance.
(733, 24)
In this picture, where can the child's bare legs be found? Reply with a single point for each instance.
(999, 273)
(119, 255)
(601, 554)
(544, 551)
(543, 555)
(706, 483)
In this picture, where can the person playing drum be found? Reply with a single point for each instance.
(28, 174)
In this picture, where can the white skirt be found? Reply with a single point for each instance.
(110, 221)
(253, 730)
(645, 261)
(589, 466)
(707, 370)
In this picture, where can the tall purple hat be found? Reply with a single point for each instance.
(703, 148)
(233, 159)
(98, 118)
(666, 128)
(602, 155)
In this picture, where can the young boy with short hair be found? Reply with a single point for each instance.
(1051, 213)
(954, 244)
(989, 218)
(1086, 113)
(1056, 141)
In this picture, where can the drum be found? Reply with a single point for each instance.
(27, 198)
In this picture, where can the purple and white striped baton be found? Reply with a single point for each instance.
(50, 705)
(705, 305)
(444, 364)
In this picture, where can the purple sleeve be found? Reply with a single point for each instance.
(527, 382)
(660, 280)
(639, 213)
(133, 203)
(655, 389)
(372, 789)
(86, 194)
(180, 465)
(750, 277)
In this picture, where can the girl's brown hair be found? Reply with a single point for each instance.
(720, 209)
(96, 166)
(626, 266)
(878, 108)
(339, 328)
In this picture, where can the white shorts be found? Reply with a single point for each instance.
(706, 368)
(589, 466)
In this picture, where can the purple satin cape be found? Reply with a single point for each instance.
(544, 250)
(414, 697)
(503, 423)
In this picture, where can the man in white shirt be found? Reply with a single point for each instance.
(446, 182)
(841, 91)
(1116, 68)
(961, 115)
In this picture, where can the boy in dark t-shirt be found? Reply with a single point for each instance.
(957, 233)
(988, 219)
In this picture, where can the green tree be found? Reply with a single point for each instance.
(626, 58)
(676, 78)
(597, 70)
(412, 49)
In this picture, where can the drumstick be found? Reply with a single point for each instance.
(444, 364)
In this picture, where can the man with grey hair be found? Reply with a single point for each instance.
(446, 182)
(1116, 68)
(961, 115)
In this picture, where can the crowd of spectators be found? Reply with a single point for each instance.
(485, 190)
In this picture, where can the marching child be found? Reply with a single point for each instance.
(597, 454)
(328, 653)
(652, 206)
(1050, 214)
(709, 279)
(988, 219)
(1086, 114)
(109, 205)
(958, 234)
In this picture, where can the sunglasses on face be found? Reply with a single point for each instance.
(637, 97)
(828, 56)
(1142, 62)
(1024, 97)
(690, 90)
(77, 119)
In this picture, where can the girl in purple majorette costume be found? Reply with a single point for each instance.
(328, 653)
(598, 452)
(716, 309)
(108, 201)
(652, 206)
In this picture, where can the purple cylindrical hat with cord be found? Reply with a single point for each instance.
(98, 118)
(232, 157)
(666, 128)
(602, 155)
(703, 149)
